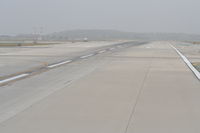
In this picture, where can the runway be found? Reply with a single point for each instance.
(4, 80)
(130, 88)
(15, 60)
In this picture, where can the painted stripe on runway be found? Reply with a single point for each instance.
(86, 56)
(112, 48)
(59, 64)
(14, 78)
(194, 70)
(103, 51)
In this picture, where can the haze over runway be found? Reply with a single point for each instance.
(25, 16)
(99, 66)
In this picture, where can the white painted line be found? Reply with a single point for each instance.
(194, 70)
(112, 48)
(13, 78)
(59, 64)
(86, 56)
(103, 51)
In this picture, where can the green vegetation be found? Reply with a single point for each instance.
(196, 42)
(23, 44)
(197, 65)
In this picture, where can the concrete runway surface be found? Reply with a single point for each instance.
(144, 88)
(25, 58)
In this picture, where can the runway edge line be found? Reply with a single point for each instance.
(189, 64)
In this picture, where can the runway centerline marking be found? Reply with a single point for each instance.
(59, 64)
(112, 48)
(86, 56)
(14, 78)
(103, 51)
(188, 63)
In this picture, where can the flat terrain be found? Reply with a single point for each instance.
(15, 60)
(144, 88)
(23, 44)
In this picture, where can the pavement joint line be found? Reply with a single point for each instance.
(188, 63)
(14, 78)
(86, 56)
(24, 106)
(132, 115)
(59, 64)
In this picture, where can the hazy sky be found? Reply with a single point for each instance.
(21, 16)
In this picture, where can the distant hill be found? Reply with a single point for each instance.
(105, 35)
(114, 34)
(90, 34)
